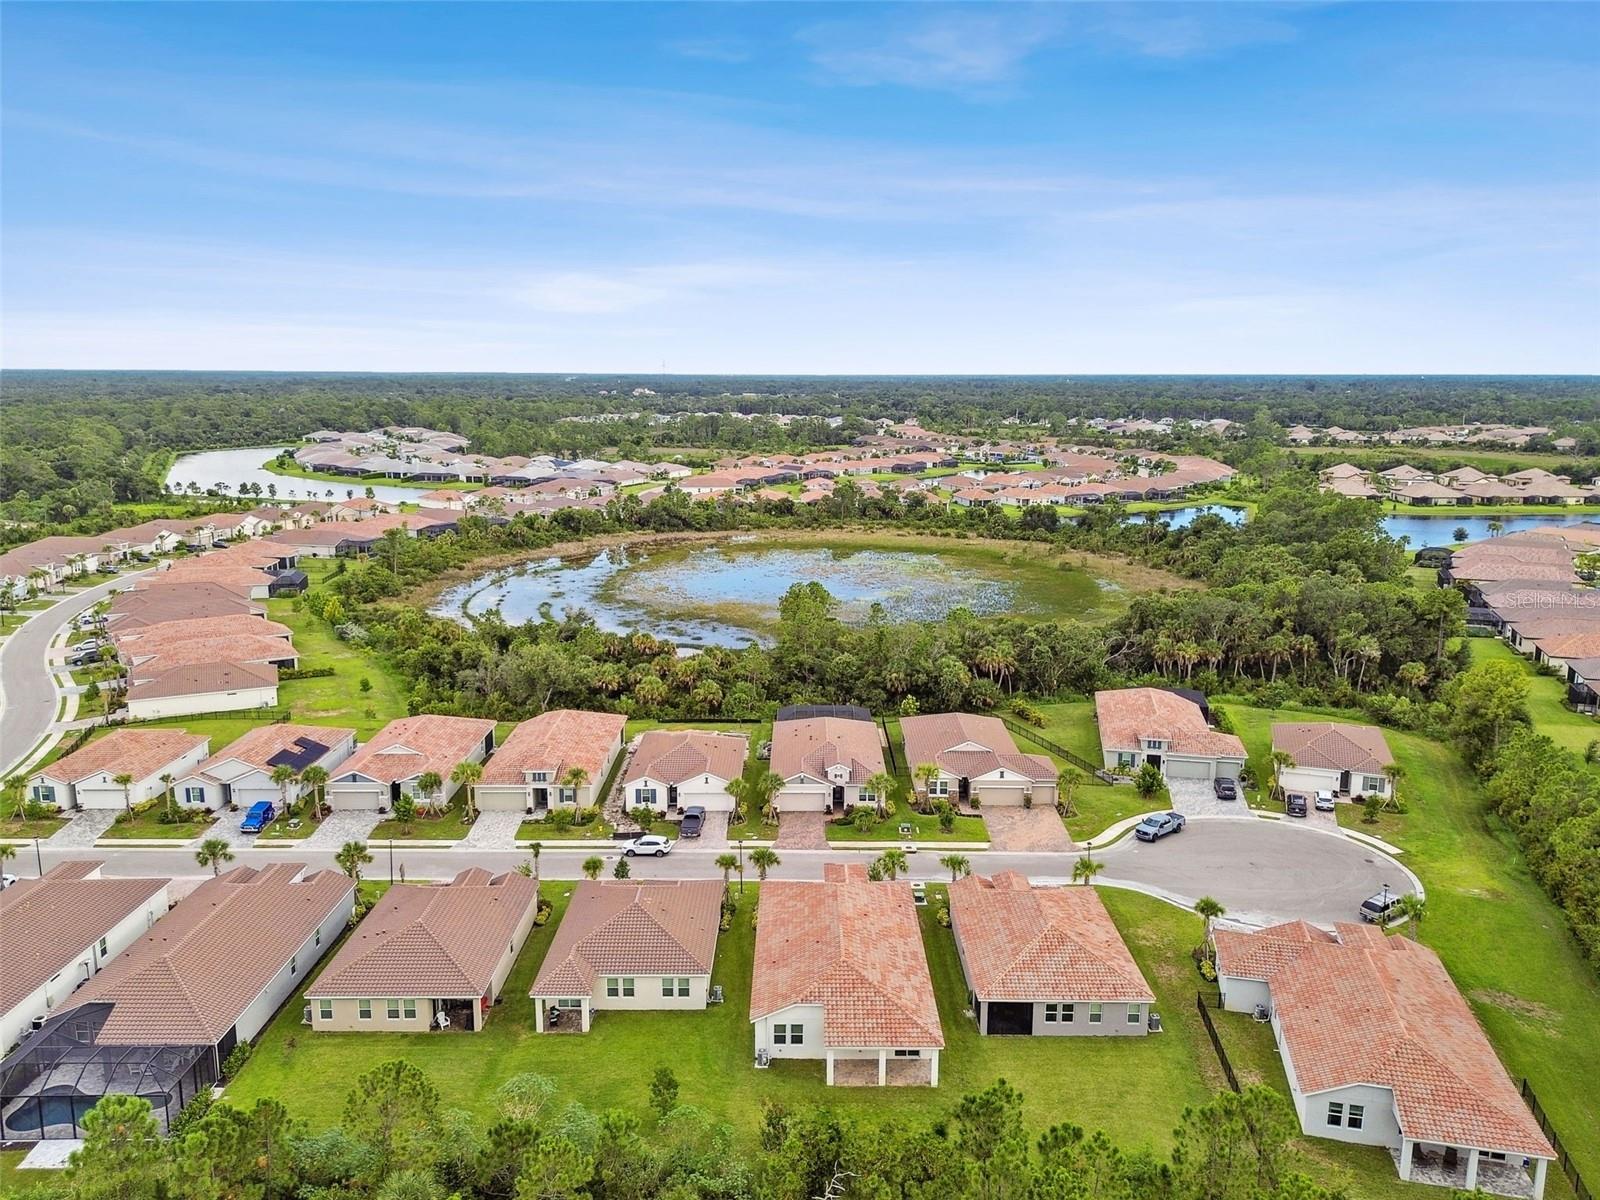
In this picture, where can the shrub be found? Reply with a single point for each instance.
(1027, 713)
(942, 915)
(560, 820)
(864, 819)
(1148, 781)
(947, 816)
(1369, 810)
(234, 1063)
(1208, 971)
(1027, 799)
(191, 1114)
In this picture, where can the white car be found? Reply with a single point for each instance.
(650, 843)
(7, 880)
(1324, 801)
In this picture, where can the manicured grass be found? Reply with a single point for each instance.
(594, 831)
(445, 826)
(145, 825)
(1504, 943)
(925, 826)
(336, 699)
(360, 482)
(1096, 806)
(1547, 695)
(1133, 1087)
(1396, 508)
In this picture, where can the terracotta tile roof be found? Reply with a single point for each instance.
(674, 755)
(139, 752)
(149, 639)
(442, 941)
(189, 979)
(46, 923)
(1333, 747)
(632, 927)
(265, 746)
(810, 745)
(968, 746)
(1581, 644)
(1259, 955)
(853, 947)
(1384, 1012)
(1129, 715)
(556, 741)
(131, 610)
(158, 653)
(1021, 942)
(199, 679)
(240, 580)
(413, 746)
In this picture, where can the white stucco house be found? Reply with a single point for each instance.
(825, 759)
(1167, 730)
(672, 769)
(241, 772)
(87, 778)
(1347, 760)
(977, 759)
(393, 763)
(531, 769)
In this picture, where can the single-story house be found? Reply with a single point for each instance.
(528, 773)
(86, 778)
(1045, 960)
(161, 1017)
(427, 951)
(135, 610)
(58, 931)
(1347, 760)
(241, 772)
(1380, 1049)
(630, 944)
(977, 759)
(672, 769)
(1167, 730)
(841, 975)
(825, 760)
(401, 753)
(205, 687)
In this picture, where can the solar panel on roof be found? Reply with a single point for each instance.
(302, 754)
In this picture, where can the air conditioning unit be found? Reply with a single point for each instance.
(37, 1023)
(305, 1015)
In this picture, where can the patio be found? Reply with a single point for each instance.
(1496, 1178)
(900, 1072)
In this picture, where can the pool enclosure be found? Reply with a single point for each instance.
(52, 1080)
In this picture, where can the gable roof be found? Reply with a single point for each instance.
(412, 746)
(632, 927)
(970, 746)
(676, 755)
(138, 752)
(1129, 715)
(189, 979)
(556, 741)
(47, 922)
(853, 947)
(268, 746)
(810, 745)
(1021, 942)
(1329, 746)
(150, 681)
(438, 940)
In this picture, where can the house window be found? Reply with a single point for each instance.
(325, 1009)
(104, 947)
(619, 987)
(1094, 1014)
(797, 1035)
(539, 776)
(867, 797)
(317, 938)
(392, 1007)
(570, 1002)
(1354, 1117)
(364, 1009)
(780, 1035)
(644, 797)
(410, 1007)
(939, 787)
(1372, 783)
(675, 985)
(908, 1053)
(1152, 743)
(194, 795)
(1125, 758)
(1335, 1113)
(569, 795)
(44, 793)
(294, 964)
(1133, 1014)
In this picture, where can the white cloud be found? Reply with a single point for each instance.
(959, 49)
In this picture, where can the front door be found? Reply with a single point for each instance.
(672, 796)
(964, 790)
(541, 799)
(1154, 760)
(1344, 782)
(838, 799)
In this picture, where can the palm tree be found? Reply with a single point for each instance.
(430, 784)
(764, 858)
(1393, 773)
(754, 793)
(315, 778)
(1085, 869)
(959, 865)
(166, 791)
(1413, 908)
(922, 777)
(727, 863)
(125, 782)
(351, 858)
(592, 865)
(7, 852)
(283, 775)
(893, 861)
(213, 853)
(1495, 526)
(1210, 909)
(575, 778)
(621, 870)
(1282, 760)
(879, 786)
(466, 775)
(536, 849)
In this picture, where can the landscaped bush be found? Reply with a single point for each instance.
(237, 1057)
(305, 673)
(190, 1115)
(864, 819)
(1027, 713)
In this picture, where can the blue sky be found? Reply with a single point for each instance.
(803, 188)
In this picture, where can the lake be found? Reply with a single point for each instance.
(726, 593)
(1440, 530)
(208, 468)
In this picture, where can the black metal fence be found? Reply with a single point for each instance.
(1568, 1167)
(1094, 770)
(1216, 1042)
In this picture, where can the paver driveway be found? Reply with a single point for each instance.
(802, 831)
(1026, 829)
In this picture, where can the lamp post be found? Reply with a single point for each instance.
(38, 856)
(391, 862)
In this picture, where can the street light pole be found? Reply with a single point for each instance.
(391, 862)
(38, 856)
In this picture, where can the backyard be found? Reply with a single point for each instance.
(1546, 698)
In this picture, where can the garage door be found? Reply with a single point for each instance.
(1177, 768)
(998, 795)
(1006, 1017)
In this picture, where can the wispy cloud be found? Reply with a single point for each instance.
(957, 49)
(1183, 30)
(714, 49)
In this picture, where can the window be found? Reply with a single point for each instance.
(317, 938)
(325, 1009)
(1335, 1113)
(411, 1010)
(1052, 1013)
(1354, 1117)
(1153, 743)
(939, 787)
(104, 947)
(908, 1053)
(675, 985)
(570, 1002)
(797, 1035)
(1094, 1014)
(539, 776)
(194, 795)
(780, 1035)
(627, 987)
(1372, 783)
(644, 797)
(1133, 1014)
(294, 964)
(364, 1009)
(619, 987)
(392, 1009)
(1125, 758)
(569, 795)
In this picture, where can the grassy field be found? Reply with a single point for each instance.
(144, 825)
(1504, 943)
(925, 828)
(1096, 805)
(1546, 698)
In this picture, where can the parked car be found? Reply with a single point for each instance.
(261, 815)
(1380, 909)
(1158, 825)
(1226, 789)
(1295, 804)
(764, 751)
(1324, 801)
(6, 881)
(694, 820)
(650, 843)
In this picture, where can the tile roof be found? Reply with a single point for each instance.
(148, 639)
(855, 948)
(1333, 747)
(1367, 1009)
(1021, 942)
(139, 752)
(131, 610)
(199, 679)
(556, 741)
(413, 746)
(675, 755)
(632, 927)
(969, 746)
(810, 745)
(46, 923)
(442, 941)
(1258, 955)
(265, 746)
(158, 653)
(189, 979)
(1129, 715)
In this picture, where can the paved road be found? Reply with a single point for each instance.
(27, 695)
(1260, 870)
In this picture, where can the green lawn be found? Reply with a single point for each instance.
(336, 699)
(925, 827)
(444, 826)
(1546, 698)
(1504, 943)
(145, 825)
(1096, 806)
(594, 831)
